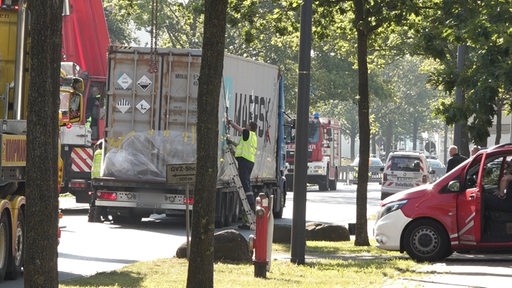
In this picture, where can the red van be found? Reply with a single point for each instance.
(458, 213)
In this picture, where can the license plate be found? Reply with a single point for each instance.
(174, 199)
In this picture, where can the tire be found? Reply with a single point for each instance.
(323, 185)
(17, 261)
(130, 217)
(278, 205)
(426, 241)
(230, 207)
(220, 211)
(94, 215)
(333, 184)
(5, 248)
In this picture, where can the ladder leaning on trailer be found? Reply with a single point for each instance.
(231, 165)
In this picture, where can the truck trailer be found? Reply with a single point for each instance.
(151, 125)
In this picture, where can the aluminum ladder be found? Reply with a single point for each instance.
(232, 169)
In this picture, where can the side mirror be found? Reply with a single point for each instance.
(454, 186)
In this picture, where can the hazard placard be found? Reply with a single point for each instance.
(144, 83)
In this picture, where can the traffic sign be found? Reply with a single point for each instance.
(181, 173)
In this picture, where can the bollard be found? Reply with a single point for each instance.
(260, 241)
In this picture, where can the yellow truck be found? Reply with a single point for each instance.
(14, 67)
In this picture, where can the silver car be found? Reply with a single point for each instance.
(438, 167)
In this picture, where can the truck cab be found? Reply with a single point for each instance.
(459, 212)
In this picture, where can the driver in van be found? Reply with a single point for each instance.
(498, 201)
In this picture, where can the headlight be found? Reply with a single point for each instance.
(391, 207)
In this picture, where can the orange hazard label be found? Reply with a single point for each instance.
(14, 150)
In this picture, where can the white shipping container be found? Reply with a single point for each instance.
(152, 117)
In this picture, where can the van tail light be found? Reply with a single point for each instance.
(384, 177)
(424, 179)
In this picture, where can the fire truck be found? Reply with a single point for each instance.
(85, 42)
(324, 152)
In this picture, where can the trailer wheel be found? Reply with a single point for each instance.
(17, 261)
(229, 208)
(130, 218)
(236, 210)
(4, 245)
(220, 211)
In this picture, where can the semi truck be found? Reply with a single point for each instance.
(324, 152)
(151, 125)
(85, 41)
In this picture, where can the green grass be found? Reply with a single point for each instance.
(328, 264)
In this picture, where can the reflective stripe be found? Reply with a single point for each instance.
(247, 149)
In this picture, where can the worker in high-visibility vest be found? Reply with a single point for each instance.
(245, 156)
(96, 162)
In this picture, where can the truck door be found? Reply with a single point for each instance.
(469, 203)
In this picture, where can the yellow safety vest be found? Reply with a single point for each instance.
(96, 164)
(247, 149)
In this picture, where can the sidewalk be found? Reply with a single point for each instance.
(491, 270)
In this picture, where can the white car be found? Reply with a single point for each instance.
(404, 170)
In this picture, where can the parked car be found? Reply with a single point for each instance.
(438, 167)
(404, 170)
(374, 169)
(458, 213)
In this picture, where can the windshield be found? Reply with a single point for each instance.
(314, 131)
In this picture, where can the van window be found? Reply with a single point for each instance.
(406, 164)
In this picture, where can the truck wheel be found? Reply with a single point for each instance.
(4, 245)
(129, 218)
(17, 261)
(94, 215)
(278, 205)
(323, 185)
(236, 211)
(220, 211)
(333, 184)
(426, 241)
(230, 207)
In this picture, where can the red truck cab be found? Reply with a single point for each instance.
(460, 212)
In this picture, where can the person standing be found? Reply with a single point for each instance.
(455, 158)
(92, 112)
(245, 156)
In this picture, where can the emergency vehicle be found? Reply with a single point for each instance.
(324, 152)
(403, 170)
(459, 212)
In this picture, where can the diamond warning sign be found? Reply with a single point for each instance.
(125, 81)
(123, 105)
(144, 82)
(143, 106)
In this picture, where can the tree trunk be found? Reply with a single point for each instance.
(40, 268)
(200, 268)
(364, 127)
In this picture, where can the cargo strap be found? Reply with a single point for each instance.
(250, 217)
